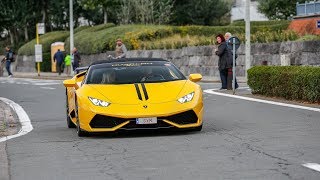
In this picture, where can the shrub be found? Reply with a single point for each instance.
(309, 37)
(101, 38)
(45, 65)
(261, 23)
(46, 40)
(289, 82)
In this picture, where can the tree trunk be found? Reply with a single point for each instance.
(16, 35)
(26, 36)
(105, 16)
(11, 37)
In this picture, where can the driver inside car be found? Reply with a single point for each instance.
(147, 73)
(108, 77)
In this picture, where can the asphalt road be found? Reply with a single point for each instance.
(240, 140)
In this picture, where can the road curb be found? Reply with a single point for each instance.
(4, 165)
(23, 118)
(6, 120)
(43, 77)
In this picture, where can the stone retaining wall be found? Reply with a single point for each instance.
(201, 59)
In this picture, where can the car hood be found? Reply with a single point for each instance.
(151, 93)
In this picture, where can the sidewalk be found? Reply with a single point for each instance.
(56, 76)
(43, 75)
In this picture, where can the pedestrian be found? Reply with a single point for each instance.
(9, 57)
(67, 63)
(227, 37)
(59, 57)
(224, 60)
(121, 50)
(76, 58)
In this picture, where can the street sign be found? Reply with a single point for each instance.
(318, 24)
(41, 28)
(38, 52)
(232, 40)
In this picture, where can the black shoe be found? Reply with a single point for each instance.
(222, 88)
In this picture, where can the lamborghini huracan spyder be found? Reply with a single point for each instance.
(133, 93)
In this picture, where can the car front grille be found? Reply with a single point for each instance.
(101, 121)
(188, 117)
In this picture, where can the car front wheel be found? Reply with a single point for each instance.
(80, 132)
(69, 122)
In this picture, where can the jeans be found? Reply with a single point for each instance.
(8, 63)
(223, 77)
(60, 67)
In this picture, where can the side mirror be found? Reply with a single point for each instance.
(69, 83)
(195, 77)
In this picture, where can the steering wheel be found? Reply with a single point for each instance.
(152, 76)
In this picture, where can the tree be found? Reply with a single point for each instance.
(199, 12)
(275, 9)
(145, 11)
(107, 6)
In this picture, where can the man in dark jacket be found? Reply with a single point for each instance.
(59, 57)
(227, 37)
(8, 58)
(76, 58)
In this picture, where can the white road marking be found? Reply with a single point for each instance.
(35, 82)
(47, 88)
(211, 91)
(45, 84)
(23, 117)
(313, 166)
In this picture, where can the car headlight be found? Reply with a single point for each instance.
(186, 98)
(99, 102)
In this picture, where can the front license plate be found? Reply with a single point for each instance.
(151, 120)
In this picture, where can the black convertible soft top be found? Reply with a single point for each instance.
(128, 60)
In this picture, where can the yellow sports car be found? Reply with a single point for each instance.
(133, 93)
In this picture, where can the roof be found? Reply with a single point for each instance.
(128, 60)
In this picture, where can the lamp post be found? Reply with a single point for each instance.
(248, 44)
(71, 30)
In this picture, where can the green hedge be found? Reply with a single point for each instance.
(46, 40)
(45, 65)
(289, 82)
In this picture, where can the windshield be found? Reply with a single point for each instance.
(133, 72)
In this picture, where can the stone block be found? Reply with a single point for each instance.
(295, 58)
(312, 59)
(285, 60)
(265, 48)
(286, 47)
(194, 61)
(311, 46)
(208, 50)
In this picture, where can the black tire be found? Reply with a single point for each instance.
(70, 124)
(198, 128)
(80, 132)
